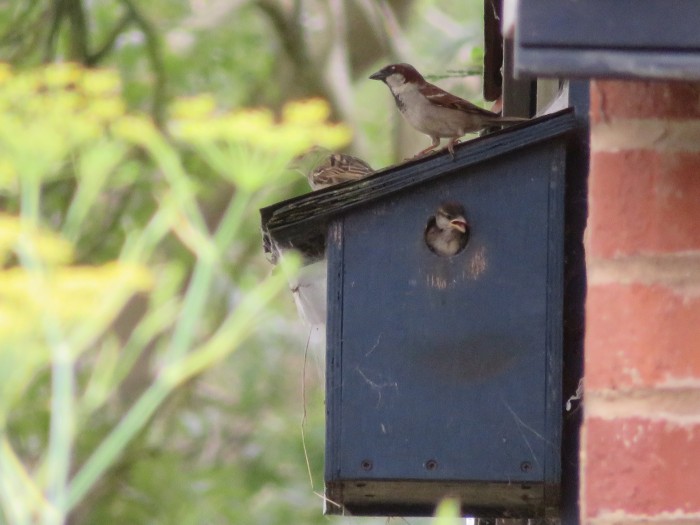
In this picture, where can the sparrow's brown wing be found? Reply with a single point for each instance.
(338, 168)
(442, 98)
(350, 163)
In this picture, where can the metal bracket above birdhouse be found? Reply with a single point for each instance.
(603, 38)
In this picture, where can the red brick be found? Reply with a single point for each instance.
(640, 336)
(643, 202)
(634, 99)
(641, 467)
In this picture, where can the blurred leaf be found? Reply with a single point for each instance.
(447, 513)
(477, 55)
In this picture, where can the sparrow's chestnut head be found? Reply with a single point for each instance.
(398, 74)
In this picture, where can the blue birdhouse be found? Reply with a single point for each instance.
(444, 370)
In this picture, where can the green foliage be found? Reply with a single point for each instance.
(62, 329)
(448, 513)
(130, 253)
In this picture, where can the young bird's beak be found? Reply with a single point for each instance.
(459, 224)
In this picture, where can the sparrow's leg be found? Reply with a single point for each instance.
(435, 144)
(451, 146)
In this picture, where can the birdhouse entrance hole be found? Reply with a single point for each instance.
(447, 232)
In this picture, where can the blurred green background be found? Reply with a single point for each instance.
(151, 360)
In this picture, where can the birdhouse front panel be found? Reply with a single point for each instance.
(444, 371)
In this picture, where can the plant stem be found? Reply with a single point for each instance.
(115, 442)
(229, 337)
(232, 218)
(62, 380)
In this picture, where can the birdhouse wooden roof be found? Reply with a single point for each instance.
(301, 223)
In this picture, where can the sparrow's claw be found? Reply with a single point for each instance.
(423, 153)
(429, 149)
(451, 147)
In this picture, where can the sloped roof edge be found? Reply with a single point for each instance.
(290, 221)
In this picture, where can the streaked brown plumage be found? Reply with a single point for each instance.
(323, 168)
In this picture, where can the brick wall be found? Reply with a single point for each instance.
(640, 455)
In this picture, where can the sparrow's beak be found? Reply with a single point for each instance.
(308, 160)
(299, 163)
(379, 75)
(459, 224)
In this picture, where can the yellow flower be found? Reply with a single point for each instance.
(49, 248)
(306, 112)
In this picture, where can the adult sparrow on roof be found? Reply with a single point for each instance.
(434, 111)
